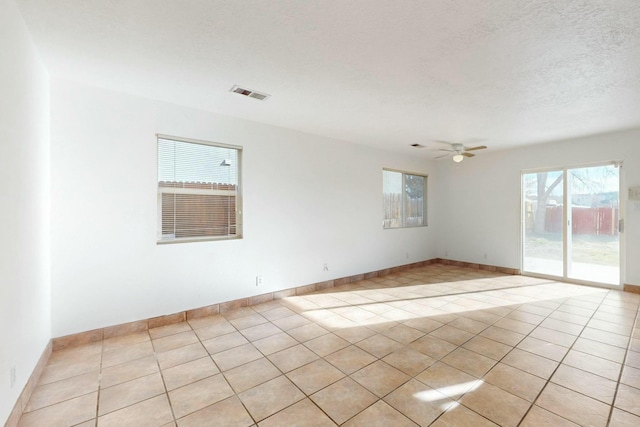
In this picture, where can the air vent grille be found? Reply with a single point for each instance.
(250, 93)
(417, 145)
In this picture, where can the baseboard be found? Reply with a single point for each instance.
(87, 337)
(485, 267)
(635, 289)
(27, 391)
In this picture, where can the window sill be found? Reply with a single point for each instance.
(197, 239)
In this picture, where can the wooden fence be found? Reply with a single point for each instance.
(596, 221)
(413, 211)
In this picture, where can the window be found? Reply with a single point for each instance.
(404, 199)
(198, 190)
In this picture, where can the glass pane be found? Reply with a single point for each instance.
(198, 185)
(414, 201)
(594, 246)
(392, 199)
(543, 230)
(198, 215)
(180, 161)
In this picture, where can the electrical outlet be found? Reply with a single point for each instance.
(12, 375)
(485, 255)
(259, 281)
(325, 267)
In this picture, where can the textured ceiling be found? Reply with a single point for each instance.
(382, 73)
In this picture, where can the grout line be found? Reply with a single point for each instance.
(129, 380)
(548, 380)
(99, 383)
(440, 360)
(457, 399)
(235, 394)
(282, 373)
(164, 383)
(622, 368)
(515, 306)
(562, 360)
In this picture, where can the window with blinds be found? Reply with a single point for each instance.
(404, 199)
(198, 190)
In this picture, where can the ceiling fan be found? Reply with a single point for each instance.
(459, 151)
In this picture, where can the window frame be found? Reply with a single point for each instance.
(172, 190)
(425, 216)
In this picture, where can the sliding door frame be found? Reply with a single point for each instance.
(566, 229)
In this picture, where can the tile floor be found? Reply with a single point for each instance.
(431, 346)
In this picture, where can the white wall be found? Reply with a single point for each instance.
(24, 196)
(480, 197)
(307, 201)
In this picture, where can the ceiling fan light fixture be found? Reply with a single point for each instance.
(458, 158)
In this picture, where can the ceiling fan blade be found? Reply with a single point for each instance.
(468, 154)
(441, 157)
(470, 141)
(479, 147)
(443, 142)
(443, 149)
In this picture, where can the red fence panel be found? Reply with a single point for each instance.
(585, 220)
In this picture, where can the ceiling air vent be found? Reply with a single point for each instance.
(250, 93)
(417, 145)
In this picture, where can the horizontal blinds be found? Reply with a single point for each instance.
(198, 190)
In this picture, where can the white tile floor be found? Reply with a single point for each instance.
(437, 345)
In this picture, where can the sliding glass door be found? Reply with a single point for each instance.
(571, 223)
(593, 239)
(543, 217)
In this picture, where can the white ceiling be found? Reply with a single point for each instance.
(383, 73)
